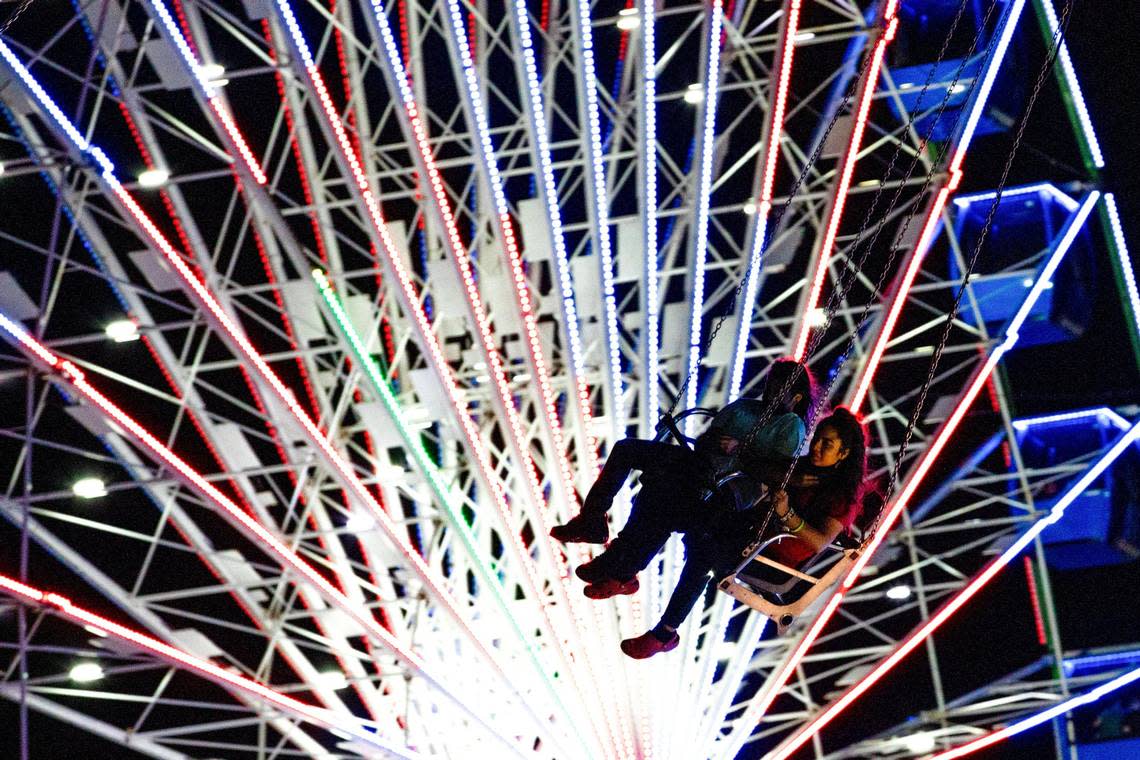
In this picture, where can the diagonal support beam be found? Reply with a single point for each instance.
(768, 693)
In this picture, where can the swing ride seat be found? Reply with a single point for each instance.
(784, 602)
(792, 591)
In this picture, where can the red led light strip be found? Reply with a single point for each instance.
(850, 156)
(925, 630)
(310, 713)
(237, 516)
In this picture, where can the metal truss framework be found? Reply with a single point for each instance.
(338, 488)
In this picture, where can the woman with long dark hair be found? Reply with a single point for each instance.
(826, 489)
(823, 499)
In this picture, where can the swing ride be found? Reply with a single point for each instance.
(316, 317)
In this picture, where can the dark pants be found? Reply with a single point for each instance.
(690, 586)
(714, 552)
(670, 501)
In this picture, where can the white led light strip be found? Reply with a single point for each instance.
(704, 189)
(511, 248)
(762, 701)
(505, 398)
(596, 190)
(520, 21)
(651, 335)
(494, 361)
(212, 97)
(1078, 98)
(778, 105)
(1126, 270)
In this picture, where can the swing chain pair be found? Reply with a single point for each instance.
(1055, 44)
(908, 435)
(837, 297)
(777, 218)
(951, 315)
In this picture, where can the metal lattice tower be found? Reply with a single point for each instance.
(388, 264)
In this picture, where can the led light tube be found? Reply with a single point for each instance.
(1025, 423)
(1041, 717)
(490, 351)
(181, 46)
(505, 397)
(850, 156)
(774, 128)
(704, 189)
(1074, 87)
(409, 300)
(1061, 197)
(651, 332)
(596, 192)
(520, 21)
(1126, 269)
(318, 716)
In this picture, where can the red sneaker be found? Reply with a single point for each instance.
(610, 587)
(586, 528)
(646, 645)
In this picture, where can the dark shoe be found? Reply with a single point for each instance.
(593, 571)
(611, 587)
(647, 644)
(586, 528)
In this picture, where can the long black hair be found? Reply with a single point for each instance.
(849, 474)
(798, 379)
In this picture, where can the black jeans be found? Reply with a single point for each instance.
(661, 464)
(670, 501)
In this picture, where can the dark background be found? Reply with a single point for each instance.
(994, 634)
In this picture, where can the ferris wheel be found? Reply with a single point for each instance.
(318, 315)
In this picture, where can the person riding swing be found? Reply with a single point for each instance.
(823, 498)
(675, 479)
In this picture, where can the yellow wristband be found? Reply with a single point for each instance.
(799, 527)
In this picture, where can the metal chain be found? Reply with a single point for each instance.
(845, 284)
(940, 347)
(777, 218)
(1049, 59)
(15, 15)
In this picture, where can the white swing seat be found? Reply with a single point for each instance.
(780, 601)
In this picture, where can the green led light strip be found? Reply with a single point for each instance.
(443, 493)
